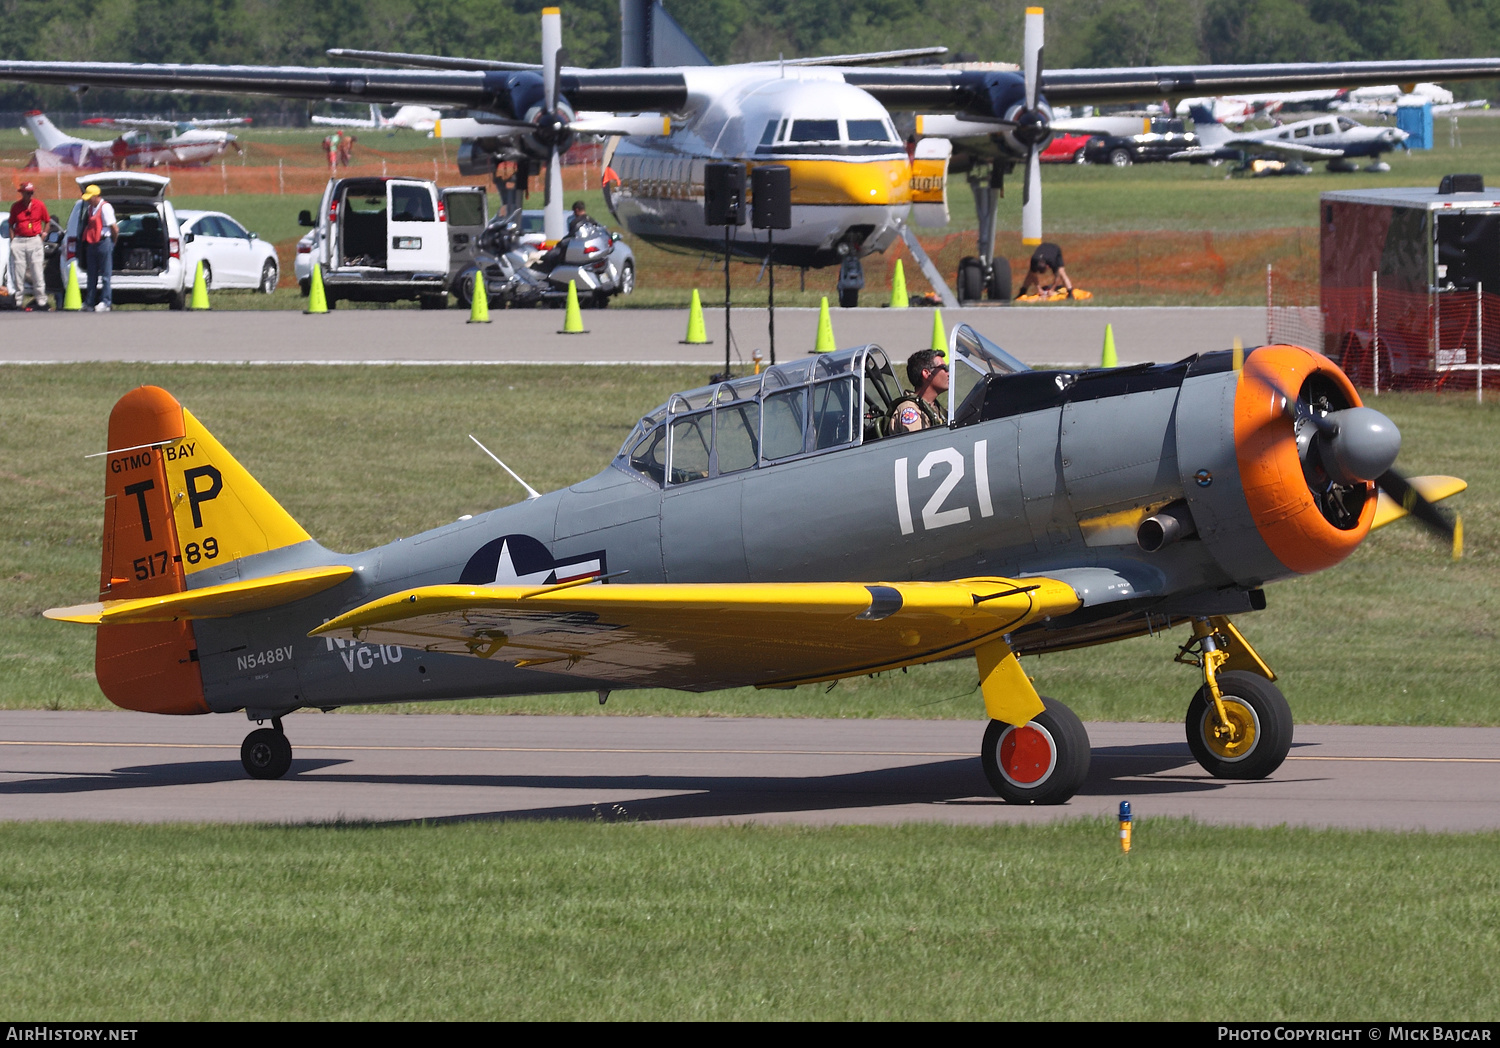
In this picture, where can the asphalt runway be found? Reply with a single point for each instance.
(107, 766)
(1063, 335)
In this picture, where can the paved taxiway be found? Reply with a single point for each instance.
(1042, 335)
(132, 768)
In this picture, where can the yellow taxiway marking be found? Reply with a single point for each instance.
(624, 749)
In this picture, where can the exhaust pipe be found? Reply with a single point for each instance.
(1172, 523)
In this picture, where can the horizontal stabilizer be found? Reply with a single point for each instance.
(703, 636)
(862, 58)
(209, 602)
(1433, 489)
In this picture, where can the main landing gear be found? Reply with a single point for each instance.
(1239, 725)
(266, 753)
(1042, 762)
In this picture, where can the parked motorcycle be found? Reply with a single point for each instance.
(517, 273)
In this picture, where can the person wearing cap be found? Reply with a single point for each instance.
(97, 228)
(28, 231)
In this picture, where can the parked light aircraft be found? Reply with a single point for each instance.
(144, 144)
(762, 532)
(410, 118)
(999, 117)
(1336, 139)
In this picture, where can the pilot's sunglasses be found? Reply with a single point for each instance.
(938, 367)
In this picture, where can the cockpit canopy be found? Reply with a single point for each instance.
(811, 406)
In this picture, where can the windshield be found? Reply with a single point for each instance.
(803, 407)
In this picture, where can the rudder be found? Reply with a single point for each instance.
(176, 503)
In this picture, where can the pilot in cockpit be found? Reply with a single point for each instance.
(928, 373)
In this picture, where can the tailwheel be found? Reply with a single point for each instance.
(266, 753)
(1257, 735)
(1042, 762)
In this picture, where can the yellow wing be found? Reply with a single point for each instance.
(702, 637)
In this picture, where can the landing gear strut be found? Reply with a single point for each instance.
(1239, 725)
(984, 275)
(266, 753)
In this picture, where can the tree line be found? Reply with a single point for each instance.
(1079, 33)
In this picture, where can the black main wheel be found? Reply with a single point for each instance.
(1043, 762)
(848, 298)
(1259, 733)
(970, 280)
(266, 754)
(999, 285)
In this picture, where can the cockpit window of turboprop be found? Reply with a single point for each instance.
(814, 131)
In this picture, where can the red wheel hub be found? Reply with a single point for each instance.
(1026, 755)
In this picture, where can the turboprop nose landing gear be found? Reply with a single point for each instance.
(1239, 725)
(266, 753)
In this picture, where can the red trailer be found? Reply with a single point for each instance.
(1410, 279)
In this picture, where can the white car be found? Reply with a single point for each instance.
(232, 256)
(148, 253)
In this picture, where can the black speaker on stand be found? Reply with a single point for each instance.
(771, 197)
(724, 205)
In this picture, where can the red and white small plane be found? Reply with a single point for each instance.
(144, 143)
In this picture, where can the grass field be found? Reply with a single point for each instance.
(1396, 635)
(1153, 234)
(583, 921)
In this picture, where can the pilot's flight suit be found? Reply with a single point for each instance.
(911, 413)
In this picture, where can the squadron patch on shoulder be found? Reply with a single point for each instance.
(910, 415)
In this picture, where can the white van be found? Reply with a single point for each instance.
(381, 240)
(148, 252)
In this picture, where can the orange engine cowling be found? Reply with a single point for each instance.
(1305, 528)
(152, 667)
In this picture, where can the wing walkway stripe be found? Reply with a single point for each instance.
(747, 752)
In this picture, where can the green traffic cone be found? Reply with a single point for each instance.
(697, 335)
(479, 304)
(573, 322)
(200, 289)
(72, 297)
(939, 336)
(899, 297)
(317, 301)
(824, 343)
(1109, 359)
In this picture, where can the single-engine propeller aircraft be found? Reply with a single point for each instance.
(827, 116)
(144, 143)
(1056, 509)
(1336, 139)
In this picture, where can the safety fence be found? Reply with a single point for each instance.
(1385, 339)
(301, 170)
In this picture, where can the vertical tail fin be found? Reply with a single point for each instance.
(176, 503)
(45, 132)
(651, 37)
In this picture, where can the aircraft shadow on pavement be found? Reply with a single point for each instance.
(1134, 770)
(188, 773)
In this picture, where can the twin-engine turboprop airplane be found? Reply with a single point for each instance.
(762, 532)
(848, 187)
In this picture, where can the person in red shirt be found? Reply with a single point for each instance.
(28, 232)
